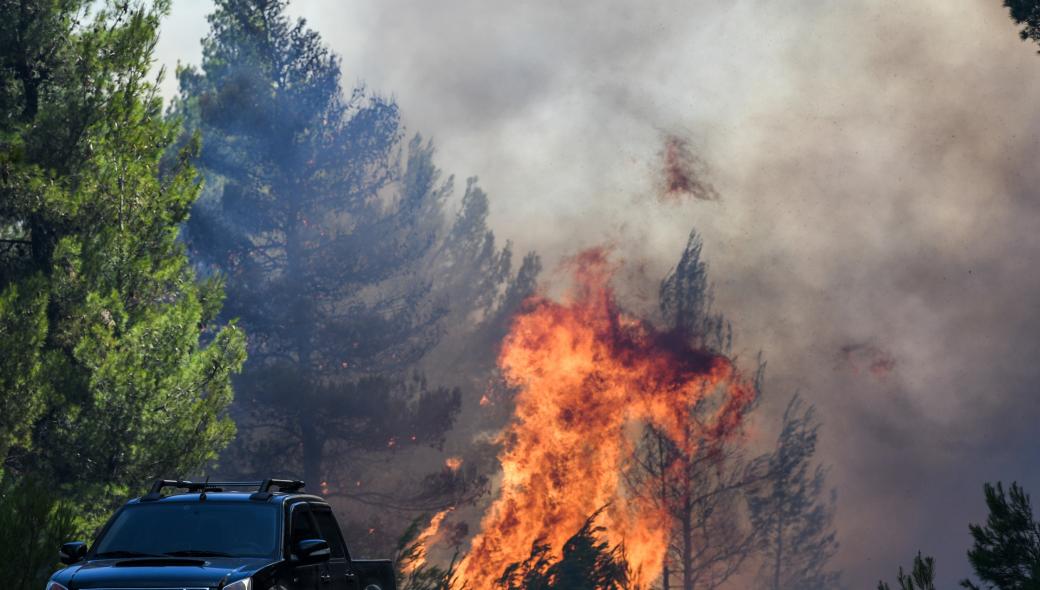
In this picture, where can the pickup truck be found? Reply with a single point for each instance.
(270, 537)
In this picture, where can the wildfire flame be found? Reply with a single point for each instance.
(422, 542)
(588, 375)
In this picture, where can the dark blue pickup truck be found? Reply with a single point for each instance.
(270, 537)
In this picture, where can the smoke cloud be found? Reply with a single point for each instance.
(876, 166)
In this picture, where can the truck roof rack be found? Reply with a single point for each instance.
(263, 488)
(284, 485)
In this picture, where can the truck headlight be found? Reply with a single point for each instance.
(243, 584)
(55, 586)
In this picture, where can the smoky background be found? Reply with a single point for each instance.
(874, 234)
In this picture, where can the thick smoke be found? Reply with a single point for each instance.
(876, 167)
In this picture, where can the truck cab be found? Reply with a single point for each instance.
(207, 536)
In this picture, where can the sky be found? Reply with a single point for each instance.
(876, 232)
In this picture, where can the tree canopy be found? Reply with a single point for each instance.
(113, 370)
(341, 259)
(1006, 550)
(1027, 14)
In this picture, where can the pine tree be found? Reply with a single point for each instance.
(330, 231)
(702, 491)
(921, 577)
(1006, 550)
(586, 562)
(1027, 14)
(112, 370)
(792, 510)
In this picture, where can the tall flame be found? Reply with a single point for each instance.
(587, 377)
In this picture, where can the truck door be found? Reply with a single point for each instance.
(303, 527)
(339, 575)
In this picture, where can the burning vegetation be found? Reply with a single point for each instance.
(625, 465)
(385, 325)
(588, 375)
(682, 174)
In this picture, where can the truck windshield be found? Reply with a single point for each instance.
(192, 529)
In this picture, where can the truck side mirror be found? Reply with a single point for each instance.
(72, 552)
(313, 550)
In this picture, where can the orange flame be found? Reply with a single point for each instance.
(422, 542)
(587, 376)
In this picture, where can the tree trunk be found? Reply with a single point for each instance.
(311, 434)
(777, 566)
(313, 447)
(687, 545)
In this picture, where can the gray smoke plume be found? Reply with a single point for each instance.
(876, 168)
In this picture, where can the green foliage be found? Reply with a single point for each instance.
(23, 327)
(112, 371)
(921, 577)
(1006, 550)
(1026, 13)
(35, 523)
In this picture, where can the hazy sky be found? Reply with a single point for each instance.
(877, 233)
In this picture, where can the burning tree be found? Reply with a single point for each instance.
(586, 373)
(725, 510)
(332, 238)
(701, 487)
(586, 562)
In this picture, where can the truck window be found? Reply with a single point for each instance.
(303, 527)
(330, 532)
(192, 529)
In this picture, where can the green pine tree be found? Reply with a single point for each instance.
(112, 371)
(1006, 550)
(1027, 14)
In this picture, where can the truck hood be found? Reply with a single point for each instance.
(164, 573)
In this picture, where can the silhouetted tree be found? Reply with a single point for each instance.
(703, 490)
(1027, 14)
(1006, 550)
(703, 493)
(792, 510)
(921, 577)
(587, 562)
